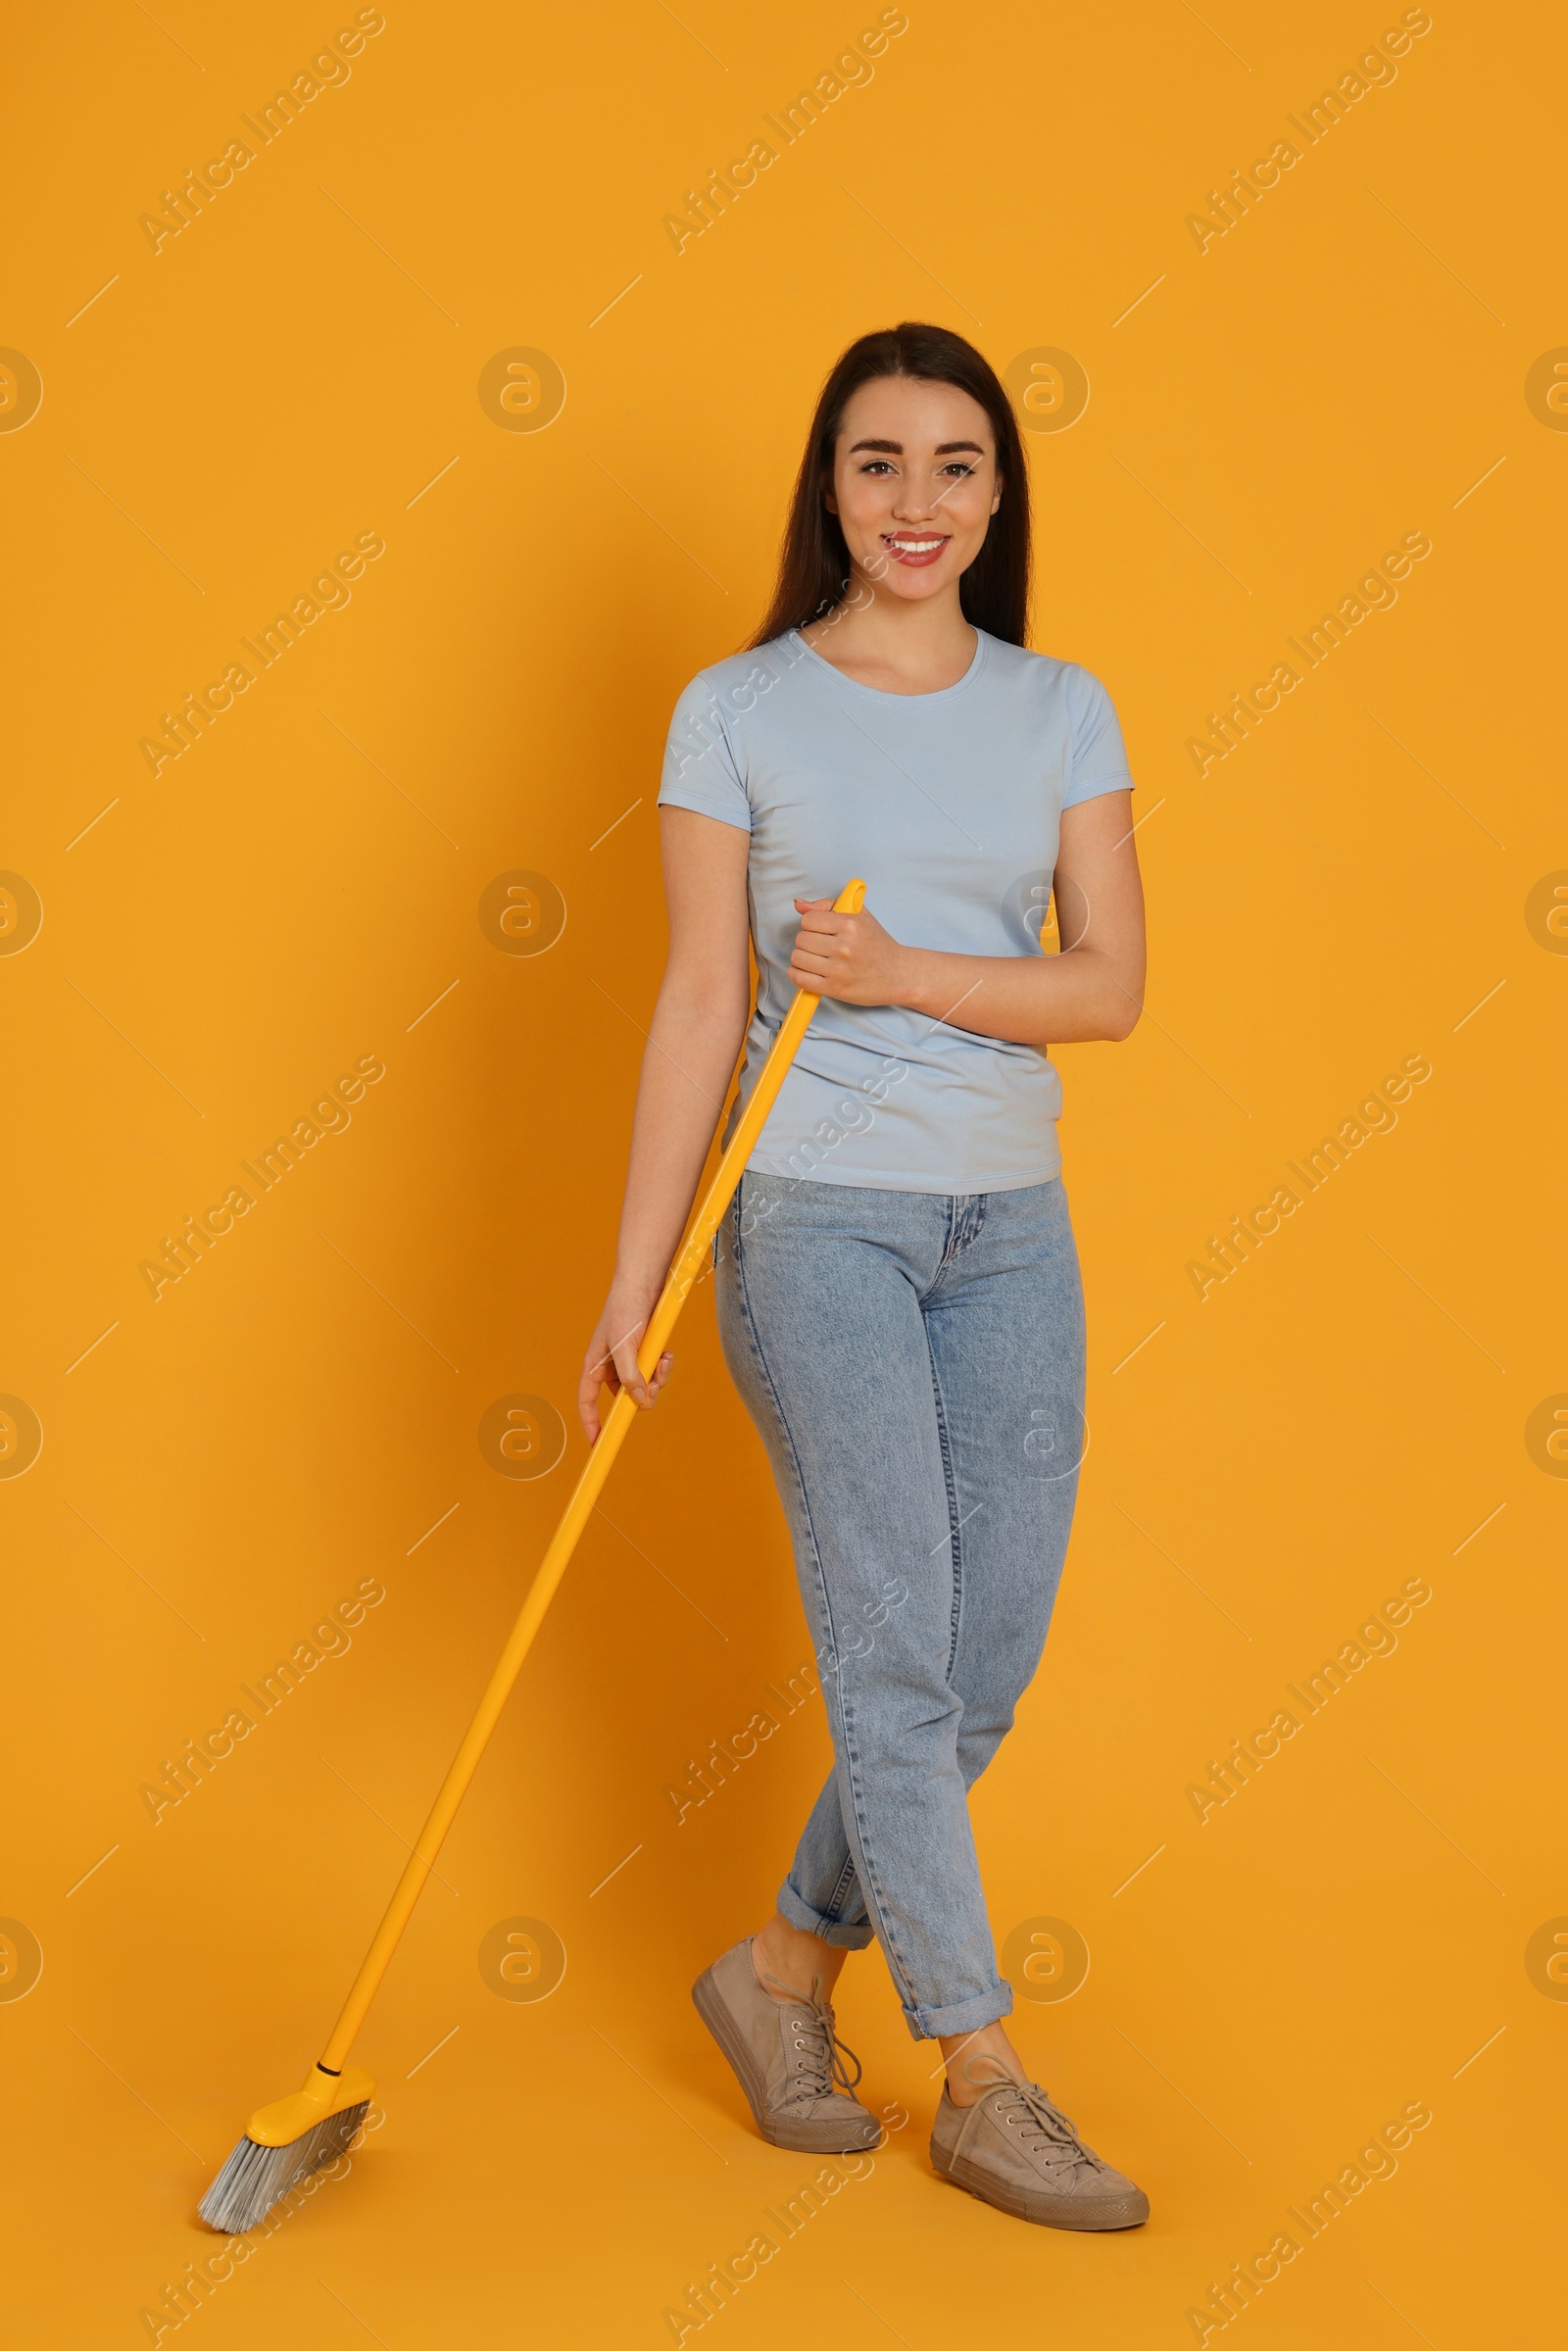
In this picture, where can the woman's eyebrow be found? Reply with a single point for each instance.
(896, 447)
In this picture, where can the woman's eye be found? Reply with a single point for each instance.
(877, 464)
(958, 467)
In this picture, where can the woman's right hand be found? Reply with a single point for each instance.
(612, 1359)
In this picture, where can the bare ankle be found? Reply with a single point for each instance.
(989, 2042)
(785, 1961)
(774, 1986)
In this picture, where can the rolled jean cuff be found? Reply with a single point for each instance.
(962, 2015)
(839, 1932)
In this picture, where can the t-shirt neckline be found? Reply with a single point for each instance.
(880, 692)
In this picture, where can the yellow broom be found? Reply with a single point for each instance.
(288, 2141)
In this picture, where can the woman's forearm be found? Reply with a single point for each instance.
(1093, 989)
(691, 1055)
(1065, 998)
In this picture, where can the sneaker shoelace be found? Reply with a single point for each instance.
(1043, 2129)
(819, 2069)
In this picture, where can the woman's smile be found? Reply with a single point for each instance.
(915, 547)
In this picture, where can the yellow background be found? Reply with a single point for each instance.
(226, 414)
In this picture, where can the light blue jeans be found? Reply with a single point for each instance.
(915, 1364)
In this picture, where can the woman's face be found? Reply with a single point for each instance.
(914, 485)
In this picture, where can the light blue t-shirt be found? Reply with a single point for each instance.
(948, 804)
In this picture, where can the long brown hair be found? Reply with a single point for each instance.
(813, 570)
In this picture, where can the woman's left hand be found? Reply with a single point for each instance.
(850, 958)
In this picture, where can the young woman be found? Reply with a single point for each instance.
(898, 1287)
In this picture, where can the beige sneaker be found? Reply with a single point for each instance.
(787, 2058)
(1014, 2149)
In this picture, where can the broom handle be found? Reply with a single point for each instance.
(677, 1289)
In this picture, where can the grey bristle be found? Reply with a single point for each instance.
(255, 2179)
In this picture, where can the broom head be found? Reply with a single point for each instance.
(283, 2144)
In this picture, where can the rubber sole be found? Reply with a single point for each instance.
(1046, 2212)
(824, 2137)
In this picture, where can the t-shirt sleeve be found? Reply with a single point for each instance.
(701, 769)
(1099, 755)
